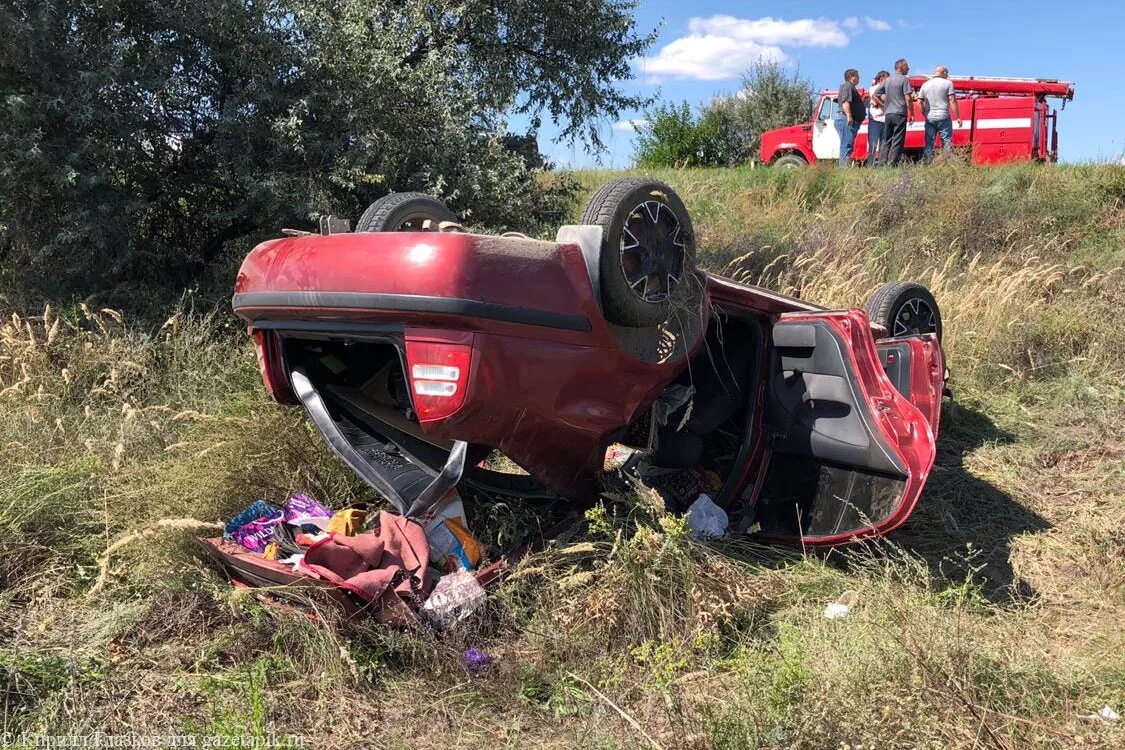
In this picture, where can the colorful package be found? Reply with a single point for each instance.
(452, 545)
(259, 509)
(256, 535)
(302, 510)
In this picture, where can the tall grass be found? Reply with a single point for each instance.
(991, 620)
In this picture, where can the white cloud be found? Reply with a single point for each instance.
(708, 57)
(876, 24)
(851, 23)
(721, 47)
(803, 32)
(630, 126)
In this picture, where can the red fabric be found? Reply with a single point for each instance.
(378, 565)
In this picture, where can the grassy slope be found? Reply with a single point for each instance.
(993, 618)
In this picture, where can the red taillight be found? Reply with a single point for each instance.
(439, 377)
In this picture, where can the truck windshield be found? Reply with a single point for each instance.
(827, 109)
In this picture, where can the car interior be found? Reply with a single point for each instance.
(829, 469)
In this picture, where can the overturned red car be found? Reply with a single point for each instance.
(419, 349)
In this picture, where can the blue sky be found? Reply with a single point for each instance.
(704, 45)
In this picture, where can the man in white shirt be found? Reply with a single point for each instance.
(938, 97)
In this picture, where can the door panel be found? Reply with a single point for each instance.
(815, 404)
(848, 452)
(825, 139)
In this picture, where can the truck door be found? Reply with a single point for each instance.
(825, 139)
(847, 454)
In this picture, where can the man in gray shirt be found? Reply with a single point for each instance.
(937, 97)
(896, 97)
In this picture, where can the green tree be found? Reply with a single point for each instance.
(770, 98)
(673, 136)
(142, 138)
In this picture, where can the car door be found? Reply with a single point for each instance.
(846, 453)
(825, 139)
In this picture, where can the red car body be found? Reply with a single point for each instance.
(503, 346)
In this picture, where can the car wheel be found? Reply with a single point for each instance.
(404, 212)
(790, 161)
(647, 256)
(905, 308)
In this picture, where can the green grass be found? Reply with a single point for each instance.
(993, 619)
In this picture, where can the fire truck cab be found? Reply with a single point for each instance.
(1002, 120)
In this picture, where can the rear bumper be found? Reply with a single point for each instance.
(252, 306)
(418, 277)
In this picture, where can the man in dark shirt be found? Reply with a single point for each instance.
(850, 114)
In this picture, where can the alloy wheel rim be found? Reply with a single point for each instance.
(915, 317)
(652, 251)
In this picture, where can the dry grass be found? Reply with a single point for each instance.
(991, 620)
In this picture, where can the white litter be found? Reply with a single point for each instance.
(705, 519)
(1106, 715)
(842, 607)
(456, 596)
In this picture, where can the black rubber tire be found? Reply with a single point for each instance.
(610, 208)
(403, 212)
(888, 302)
(790, 161)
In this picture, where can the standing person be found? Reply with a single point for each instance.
(875, 124)
(937, 97)
(896, 97)
(849, 115)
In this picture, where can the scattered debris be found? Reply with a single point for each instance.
(842, 607)
(1106, 716)
(707, 520)
(452, 545)
(377, 566)
(476, 661)
(616, 456)
(347, 522)
(456, 596)
(302, 510)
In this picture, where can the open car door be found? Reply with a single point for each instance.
(846, 453)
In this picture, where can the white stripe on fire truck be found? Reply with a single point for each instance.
(996, 123)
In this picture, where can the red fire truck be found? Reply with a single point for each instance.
(1002, 120)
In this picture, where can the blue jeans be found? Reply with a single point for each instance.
(847, 138)
(945, 127)
(874, 140)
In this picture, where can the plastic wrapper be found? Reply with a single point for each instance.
(456, 596)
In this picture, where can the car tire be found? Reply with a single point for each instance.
(644, 224)
(403, 212)
(905, 308)
(790, 161)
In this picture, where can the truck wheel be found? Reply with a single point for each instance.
(790, 161)
(647, 253)
(403, 212)
(905, 308)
